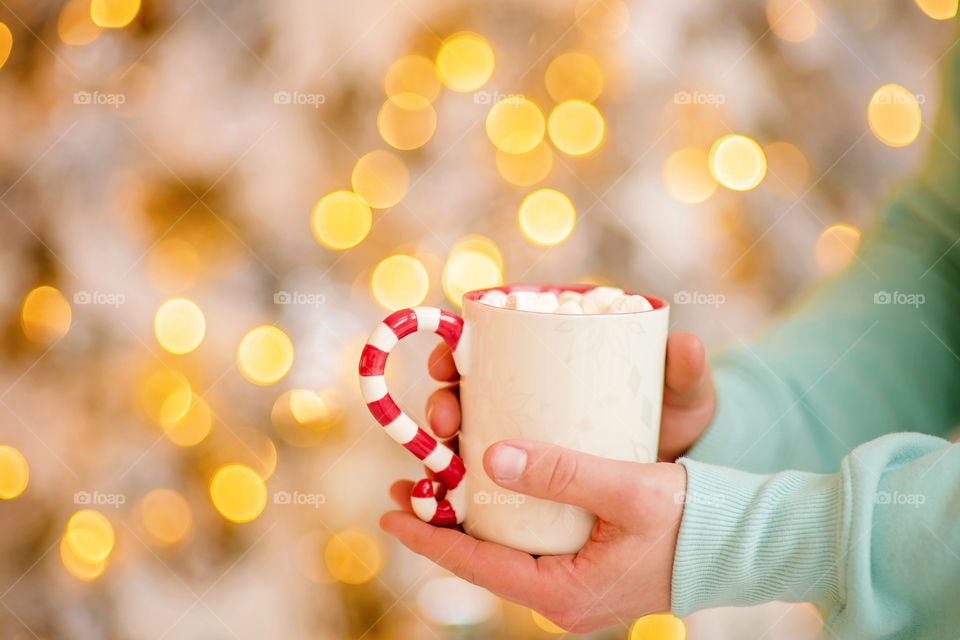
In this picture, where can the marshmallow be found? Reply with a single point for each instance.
(523, 300)
(576, 296)
(495, 298)
(548, 302)
(570, 308)
(598, 299)
(630, 304)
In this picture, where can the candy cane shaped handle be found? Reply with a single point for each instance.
(451, 506)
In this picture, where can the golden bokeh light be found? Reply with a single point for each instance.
(190, 427)
(659, 626)
(165, 396)
(309, 407)
(894, 115)
(238, 493)
(341, 220)
(399, 281)
(301, 417)
(515, 125)
(525, 169)
(6, 43)
(737, 162)
(576, 127)
(544, 624)
(75, 26)
(546, 217)
(480, 244)
(265, 355)
(465, 62)
(14, 472)
(938, 9)
(466, 270)
(406, 121)
(574, 76)
(90, 536)
(46, 315)
(687, 176)
(787, 167)
(179, 325)
(606, 19)
(173, 264)
(836, 247)
(412, 74)
(792, 20)
(380, 179)
(114, 14)
(166, 516)
(85, 571)
(352, 556)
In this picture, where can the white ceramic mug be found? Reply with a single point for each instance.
(593, 383)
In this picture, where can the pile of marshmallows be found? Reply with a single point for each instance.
(595, 301)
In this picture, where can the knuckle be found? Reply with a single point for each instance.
(563, 472)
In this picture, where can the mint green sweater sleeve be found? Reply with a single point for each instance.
(846, 401)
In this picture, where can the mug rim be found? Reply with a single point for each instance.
(474, 295)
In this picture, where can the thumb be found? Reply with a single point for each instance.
(605, 487)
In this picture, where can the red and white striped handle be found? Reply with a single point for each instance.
(445, 503)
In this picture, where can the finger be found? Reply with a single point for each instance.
(507, 572)
(685, 369)
(400, 494)
(441, 365)
(443, 411)
(606, 487)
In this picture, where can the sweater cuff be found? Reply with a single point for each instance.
(747, 538)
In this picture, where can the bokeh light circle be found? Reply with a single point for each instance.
(687, 176)
(836, 247)
(45, 315)
(238, 493)
(179, 325)
(14, 472)
(737, 162)
(90, 536)
(546, 217)
(114, 14)
(412, 74)
(352, 557)
(74, 24)
(406, 121)
(6, 43)
(894, 115)
(468, 269)
(515, 125)
(399, 281)
(574, 76)
(341, 220)
(544, 624)
(465, 62)
(190, 427)
(166, 516)
(661, 626)
(380, 179)
(792, 20)
(939, 9)
(265, 355)
(576, 127)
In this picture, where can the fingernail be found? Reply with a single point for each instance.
(507, 462)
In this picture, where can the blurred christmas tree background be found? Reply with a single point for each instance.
(206, 205)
